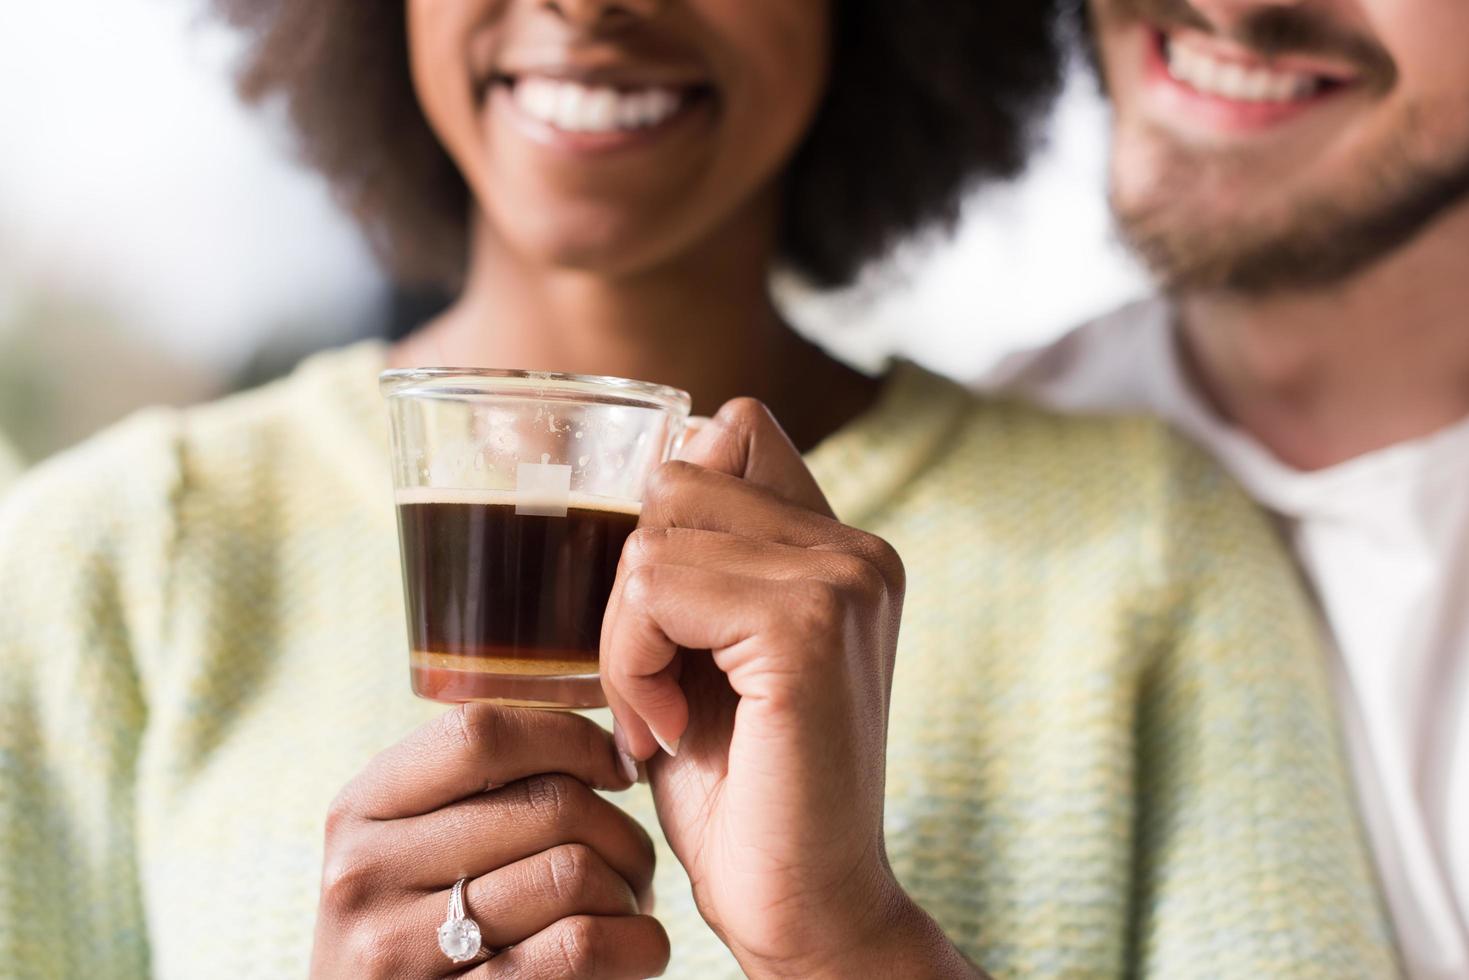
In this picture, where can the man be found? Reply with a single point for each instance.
(1296, 174)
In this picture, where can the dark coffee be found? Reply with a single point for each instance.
(505, 606)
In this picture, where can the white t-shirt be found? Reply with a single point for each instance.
(1384, 541)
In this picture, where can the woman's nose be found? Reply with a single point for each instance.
(598, 13)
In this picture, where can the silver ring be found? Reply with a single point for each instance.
(459, 936)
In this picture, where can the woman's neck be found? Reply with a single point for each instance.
(707, 325)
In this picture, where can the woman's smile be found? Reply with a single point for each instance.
(595, 112)
(620, 138)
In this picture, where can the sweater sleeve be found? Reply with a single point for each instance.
(1245, 801)
(83, 550)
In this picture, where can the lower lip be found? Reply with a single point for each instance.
(696, 110)
(1213, 112)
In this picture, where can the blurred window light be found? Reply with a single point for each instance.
(139, 183)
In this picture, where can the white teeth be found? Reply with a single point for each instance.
(1229, 80)
(1255, 84)
(600, 110)
(1280, 90)
(567, 108)
(630, 112)
(577, 108)
(536, 99)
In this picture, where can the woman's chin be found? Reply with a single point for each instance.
(585, 247)
(604, 258)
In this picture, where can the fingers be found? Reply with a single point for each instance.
(744, 440)
(737, 515)
(768, 597)
(666, 606)
(682, 494)
(510, 906)
(433, 810)
(472, 748)
(740, 555)
(527, 817)
(763, 622)
(584, 946)
(521, 899)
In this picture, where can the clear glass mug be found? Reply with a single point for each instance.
(515, 492)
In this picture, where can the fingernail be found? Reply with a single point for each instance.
(625, 761)
(629, 766)
(670, 747)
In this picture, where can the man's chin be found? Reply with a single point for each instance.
(1198, 233)
(1186, 261)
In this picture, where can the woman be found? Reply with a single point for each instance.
(1108, 748)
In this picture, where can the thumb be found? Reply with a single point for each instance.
(744, 440)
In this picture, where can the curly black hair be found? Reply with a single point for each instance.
(925, 99)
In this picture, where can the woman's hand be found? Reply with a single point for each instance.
(504, 798)
(774, 798)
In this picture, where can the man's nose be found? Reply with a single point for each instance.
(1225, 15)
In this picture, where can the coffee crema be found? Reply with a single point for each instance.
(504, 606)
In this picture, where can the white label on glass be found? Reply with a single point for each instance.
(542, 489)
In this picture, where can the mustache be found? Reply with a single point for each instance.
(1271, 32)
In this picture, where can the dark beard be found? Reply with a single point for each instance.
(1324, 241)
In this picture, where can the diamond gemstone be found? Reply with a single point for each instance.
(459, 939)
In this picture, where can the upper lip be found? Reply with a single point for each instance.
(610, 74)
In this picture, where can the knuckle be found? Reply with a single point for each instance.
(569, 872)
(341, 814)
(476, 727)
(551, 799)
(349, 879)
(644, 546)
(575, 947)
(375, 951)
(884, 559)
(860, 579)
(641, 581)
(889, 563)
(666, 481)
(818, 606)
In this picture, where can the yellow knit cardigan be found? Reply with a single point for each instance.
(1112, 749)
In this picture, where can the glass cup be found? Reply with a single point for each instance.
(515, 493)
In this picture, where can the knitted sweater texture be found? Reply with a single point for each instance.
(1112, 751)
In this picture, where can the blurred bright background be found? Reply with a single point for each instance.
(158, 243)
